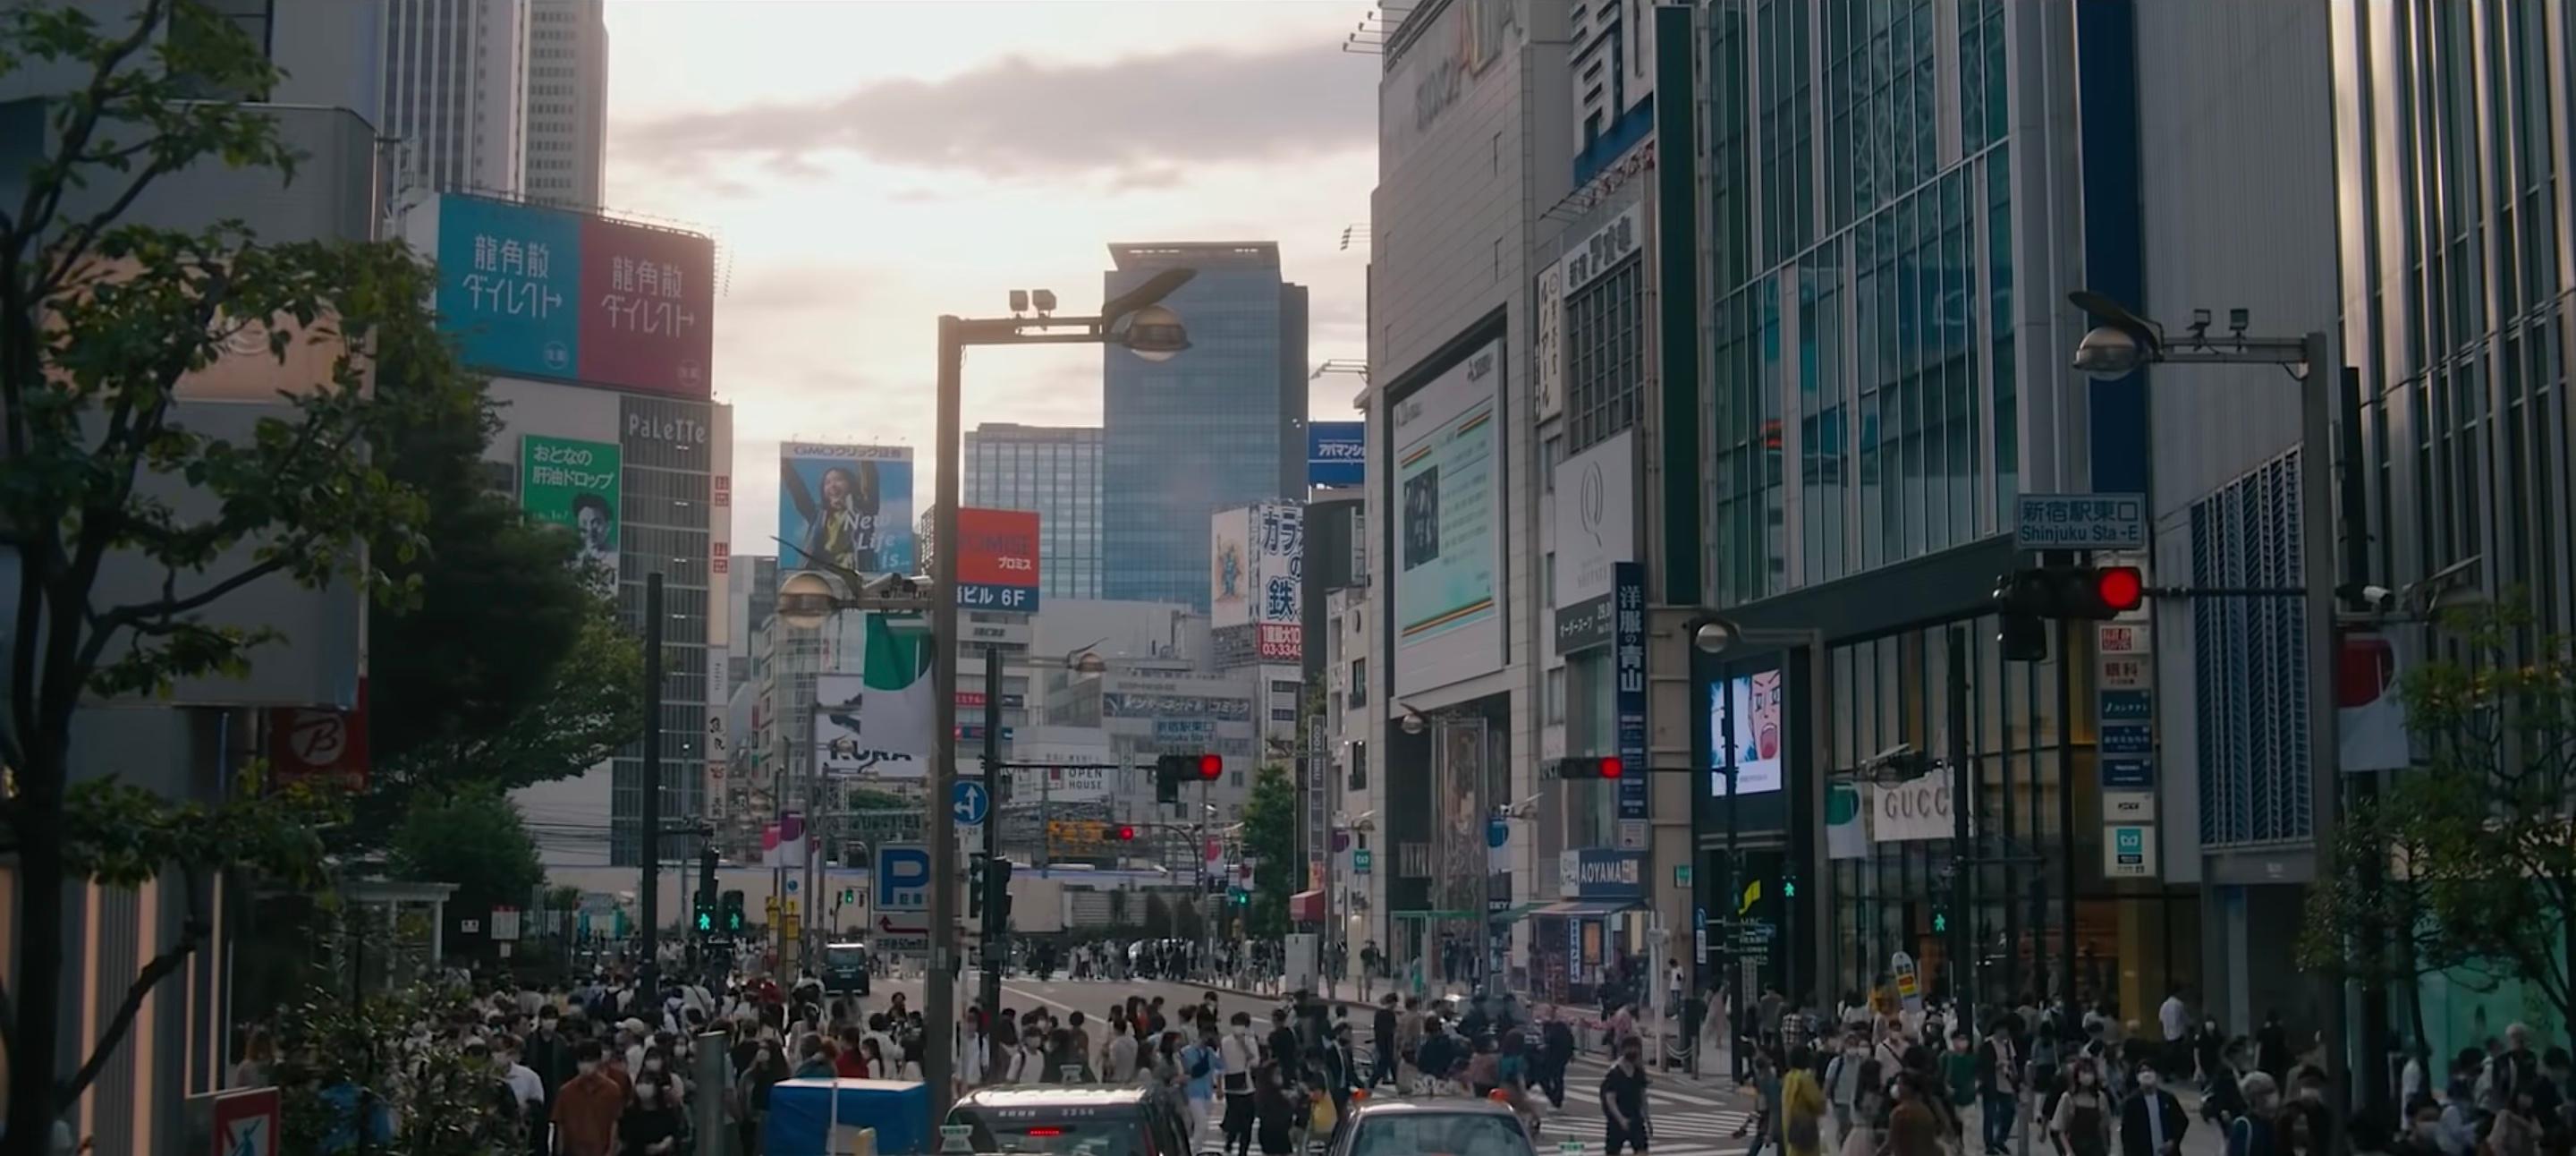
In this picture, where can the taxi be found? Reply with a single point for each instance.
(1430, 1126)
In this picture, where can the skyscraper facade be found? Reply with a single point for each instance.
(1219, 427)
(1055, 471)
(454, 95)
(566, 140)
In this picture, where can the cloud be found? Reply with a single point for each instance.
(1012, 118)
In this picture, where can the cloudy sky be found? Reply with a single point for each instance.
(866, 165)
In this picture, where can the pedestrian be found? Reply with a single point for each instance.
(1200, 1064)
(1383, 1033)
(1802, 1106)
(2082, 1122)
(1842, 1081)
(1556, 1054)
(1912, 1127)
(2255, 1133)
(1766, 1098)
(2423, 1129)
(1240, 1052)
(653, 1124)
(751, 1093)
(1623, 1103)
(1959, 1073)
(2152, 1123)
(1275, 1111)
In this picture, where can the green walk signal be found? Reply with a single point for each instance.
(706, 920)
(1940, 922)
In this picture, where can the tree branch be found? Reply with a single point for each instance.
(122, 617)
(36, 213)
(151, 976)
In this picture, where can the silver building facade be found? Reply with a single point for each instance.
(1054, 471)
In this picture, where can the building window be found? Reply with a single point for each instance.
(1604, 355)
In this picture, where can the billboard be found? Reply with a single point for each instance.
(1279, 580)
(1230, 579)
(538, 292)
(571, 483)
(1752, 705)
(1336, 453)
(1447, 451)
(997, 559)
(881, 721)
(845, 506)
(1596, 529)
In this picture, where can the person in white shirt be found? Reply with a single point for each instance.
(523, 1080)
(2175, 1019)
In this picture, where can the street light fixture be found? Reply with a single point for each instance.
(1137, 320)
(2122, 342)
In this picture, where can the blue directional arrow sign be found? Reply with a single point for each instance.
(971, 804)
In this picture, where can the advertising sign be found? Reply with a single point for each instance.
(1230, 577)
(1547, 344)
(538, 292)
(846, 506)
(1601, 873)
(1279, 567)
(1628, 665)
(1912, 810)
(880, 721)
(1336, 453)
(1596, 528)
(571, 483)
(2128, 852)
(1448, 535)
(1744, 717)
(997, 559)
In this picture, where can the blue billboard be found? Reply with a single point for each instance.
(509, 285)
(1336, 453)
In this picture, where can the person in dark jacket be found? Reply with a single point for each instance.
(2152, 1121)
(1383, 1030)
(1275, 1110)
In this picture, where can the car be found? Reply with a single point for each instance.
(1414, 1126)
(845, 968)
(1065, 1120)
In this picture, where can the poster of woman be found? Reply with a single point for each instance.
(846, 506)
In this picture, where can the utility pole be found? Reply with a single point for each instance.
(996, 928)
(649, 823)
(1960, 944)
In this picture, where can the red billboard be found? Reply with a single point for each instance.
(647, 308)
(997, 560)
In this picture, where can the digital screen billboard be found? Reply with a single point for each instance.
(1759, 734)
(1336, 453)
(1447, 452)
(536, 292)
(848, 506)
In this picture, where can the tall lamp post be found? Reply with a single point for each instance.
(1713, 634)
(1133, 319)
(2123, 342)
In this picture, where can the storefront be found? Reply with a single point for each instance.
(1594, 937)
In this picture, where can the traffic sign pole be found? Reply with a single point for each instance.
(989, 990)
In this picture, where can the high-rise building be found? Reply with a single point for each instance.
(455, 86)
(566, 139)
(1220, 426)
(1055, 471)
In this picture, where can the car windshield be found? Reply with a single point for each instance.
(1439, 1134)
(843, 955)
(1053, 1131)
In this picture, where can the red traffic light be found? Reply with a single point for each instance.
(1211, 767)
(1609, 766)
(1587, 767)
(1125, 834)
(2120, 588)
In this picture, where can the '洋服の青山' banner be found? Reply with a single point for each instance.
(997, 559)
(537, 292)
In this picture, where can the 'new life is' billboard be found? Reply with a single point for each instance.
(997, 560)
(535, 292)
(846, 506)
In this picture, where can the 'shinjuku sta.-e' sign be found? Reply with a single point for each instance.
(540, 293)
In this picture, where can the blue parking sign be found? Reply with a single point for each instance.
(903, 877)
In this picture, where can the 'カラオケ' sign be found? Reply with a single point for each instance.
(997, 560)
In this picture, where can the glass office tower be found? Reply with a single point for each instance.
(1219, 426)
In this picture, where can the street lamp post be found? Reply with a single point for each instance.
(1135, 320)
(2124, 342)
(1712, 634)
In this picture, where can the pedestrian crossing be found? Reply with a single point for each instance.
(1687, 1117)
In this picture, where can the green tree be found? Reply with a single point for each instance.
(101, 319)
(474, 839)
(1270, 836)
(2475, 867)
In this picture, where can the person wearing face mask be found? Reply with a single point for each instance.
(1842, 1081)
(1913, 1128)
(2082, 1123)
(2423, 1136)
(526, 1087)
(587, 1108)
(2152, 1122)
(653, 1124)
(659, 1068)
(751, 1093)
(1959, 1073)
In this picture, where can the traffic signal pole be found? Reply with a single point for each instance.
(648, 826)
(996, 927)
